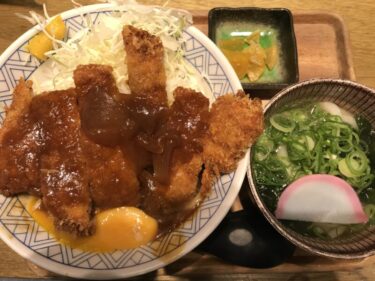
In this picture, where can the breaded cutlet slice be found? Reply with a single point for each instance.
(19, 146)
(112, 175)
(171, 201)
(94, 75)
(63, 178)
(235, 123)
(145, 62)
(19, 107)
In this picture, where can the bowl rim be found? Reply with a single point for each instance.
(255, 196)
(228, 199)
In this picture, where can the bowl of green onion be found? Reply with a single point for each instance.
(312, 171)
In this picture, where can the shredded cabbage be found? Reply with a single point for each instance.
(101, 43)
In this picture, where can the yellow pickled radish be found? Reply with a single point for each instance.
(272, 56)
(56, 28)
(238, 60)
(40, 43)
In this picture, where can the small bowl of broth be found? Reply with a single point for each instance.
(260, 44)
(319, 129)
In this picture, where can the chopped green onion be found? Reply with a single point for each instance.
(308, 140)
(370, 211)
(357, 162)
(283, 123)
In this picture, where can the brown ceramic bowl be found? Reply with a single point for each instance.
(356, 99)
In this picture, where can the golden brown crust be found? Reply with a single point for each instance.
(19, 164)
(184, 181)
(65, 193)
(90, 75)
(112, 176)
(113, 179)
(235, 123)
(63, 179)
(19, 107)
(145, 61)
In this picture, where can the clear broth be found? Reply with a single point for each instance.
(271, 194)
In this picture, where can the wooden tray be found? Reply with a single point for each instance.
(322, 43)
(324, 52)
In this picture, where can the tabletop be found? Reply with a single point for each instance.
(358, 17)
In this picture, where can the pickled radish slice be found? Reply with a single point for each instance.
(321, 198)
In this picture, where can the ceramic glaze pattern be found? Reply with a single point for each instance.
(24, 235)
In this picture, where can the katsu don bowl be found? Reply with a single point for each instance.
(63, 156)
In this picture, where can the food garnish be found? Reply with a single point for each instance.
(100, 42)
(320, 198)
(308, 140)
(42, 42)
(315, 138)
(249, 56)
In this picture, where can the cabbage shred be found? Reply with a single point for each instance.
(101, 43)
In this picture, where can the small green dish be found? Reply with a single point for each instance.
(274, 26)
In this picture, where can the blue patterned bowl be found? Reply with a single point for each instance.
(20, 231)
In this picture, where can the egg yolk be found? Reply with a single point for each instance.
(116, 229)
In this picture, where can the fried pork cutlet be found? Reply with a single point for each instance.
(147, 81)
(63, 180)
(90, 147)
(145, 61)
(235, 123)
(19, 146)
(113, 178)
(177, 170)
(171, 204)
(103, 116)
(181, 133)
(86, 77)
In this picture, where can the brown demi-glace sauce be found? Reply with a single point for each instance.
(91, 148)
(152, 135)
(85, 150)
